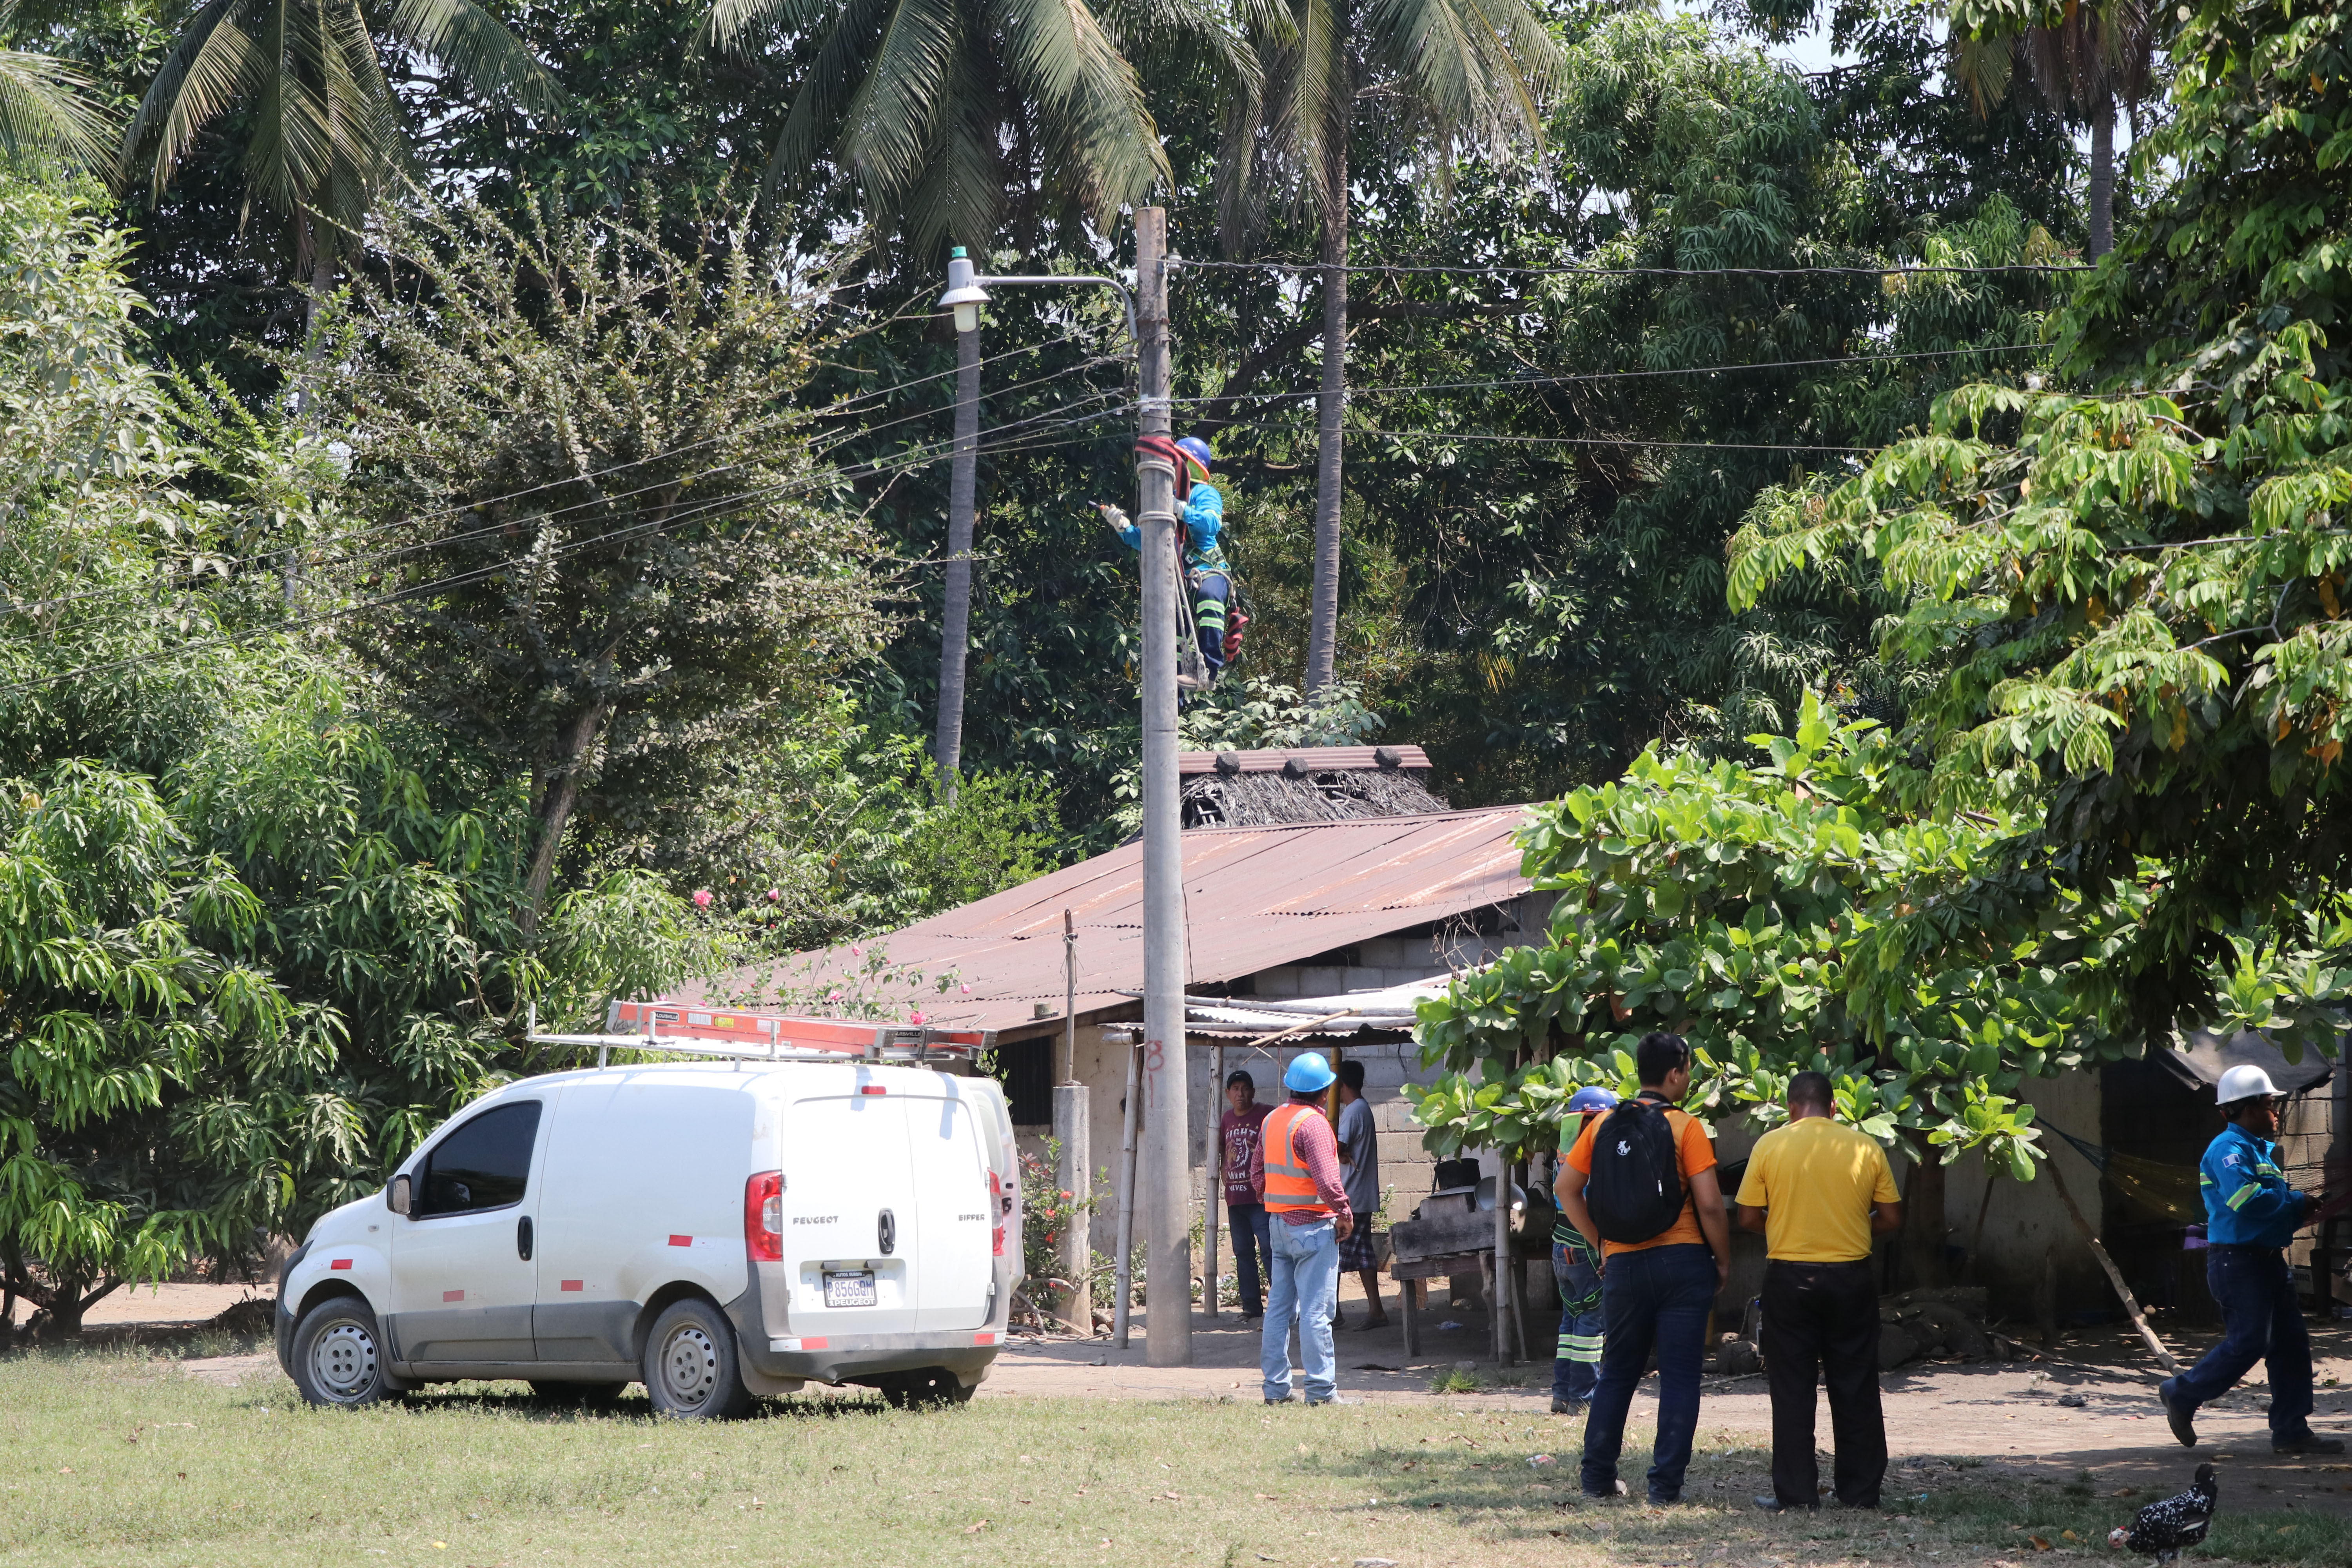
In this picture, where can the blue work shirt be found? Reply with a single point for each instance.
(1203, 515)
(2247, 1201)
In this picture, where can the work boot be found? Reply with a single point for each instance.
(1567, 1406)
(1771, 1504)
(2308, 1443)
(2180, 1417)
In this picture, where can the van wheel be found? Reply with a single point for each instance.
(689, 1366)
(337, 1355)
(924, 1388)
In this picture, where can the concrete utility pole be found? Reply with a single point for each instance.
(955, 618)
(1168, 1184)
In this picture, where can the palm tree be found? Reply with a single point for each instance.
(326, 137)
(1462, 76)
(939, 108)
(2099, 58)
(43, 108)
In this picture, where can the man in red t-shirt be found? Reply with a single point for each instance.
(1238, 1135)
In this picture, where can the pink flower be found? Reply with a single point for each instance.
(774, 893)
(855, 950)
(701, 897)
(917, 1015)
(833, 995)
(966, 990)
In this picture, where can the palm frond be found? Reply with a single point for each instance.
(891, 119)
(828, 85)
(961, 192)
(42, 110)
(478, 50)
(1089, 101)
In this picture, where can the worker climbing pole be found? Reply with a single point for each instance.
(1209, 605)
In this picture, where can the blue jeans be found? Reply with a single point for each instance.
(1250, 1243)
(1577, 1361)
(2261, 1321)
(1656, 1297)
(1306, 1287)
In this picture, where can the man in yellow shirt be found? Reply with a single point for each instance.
(1817, 1191)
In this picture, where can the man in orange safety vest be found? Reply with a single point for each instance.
(1297, 1171)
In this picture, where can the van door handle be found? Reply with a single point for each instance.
(886, 1233)
(523, 1238)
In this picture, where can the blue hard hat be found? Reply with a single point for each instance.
(1198, 450)
(1592, 1098)
(1306, 1073)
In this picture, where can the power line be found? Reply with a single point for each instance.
(392, 552)
(712, 510)
(1566, 441)
(1618, 374)
(1582, 270)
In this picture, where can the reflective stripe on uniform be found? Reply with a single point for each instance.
(1579, 1347)
(2237, 1200)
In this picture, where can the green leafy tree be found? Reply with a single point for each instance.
(324, 137)
(1789, 917)
(47, 107)
(944, 113)
(2133, 586)
(611, 562)
(1453, 78)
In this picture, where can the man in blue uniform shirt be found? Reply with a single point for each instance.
(2251, 1215)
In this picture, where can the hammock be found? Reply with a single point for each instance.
(2167, 1190)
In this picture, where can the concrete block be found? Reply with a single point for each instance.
(1358, 978)
(1278, 981)
(1319, 980)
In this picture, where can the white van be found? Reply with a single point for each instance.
(716, 1232)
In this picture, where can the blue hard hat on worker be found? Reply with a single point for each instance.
(1593, 1097)
(1196, 452)
(1306, 1073)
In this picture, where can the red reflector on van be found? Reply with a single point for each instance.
(983, 1339)
(453, 1295)
(872, 1088)
(681, 1241)
(340, 1263)
(763, 1216)
(813, 1344)
(575, 1284)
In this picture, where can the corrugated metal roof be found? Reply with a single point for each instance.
(1254, 897)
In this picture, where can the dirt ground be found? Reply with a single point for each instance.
(2004, 1414)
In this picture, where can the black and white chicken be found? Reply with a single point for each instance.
(2161, 1529)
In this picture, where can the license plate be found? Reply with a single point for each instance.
(849, 1290)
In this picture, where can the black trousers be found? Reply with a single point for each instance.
(1820, 1321)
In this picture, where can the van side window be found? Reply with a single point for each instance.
(483, 1164)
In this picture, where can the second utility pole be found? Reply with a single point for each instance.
(1167, 1146)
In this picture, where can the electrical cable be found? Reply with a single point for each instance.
(393, 551)
(1573, 270)
(1616, 374)
(712, 510)
(1568, 440)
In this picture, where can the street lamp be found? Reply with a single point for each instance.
(967, 293)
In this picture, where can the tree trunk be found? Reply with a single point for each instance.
(2103, 175)
(1923, 1216)
(1323, 625)
(562, 794)
(955, 618)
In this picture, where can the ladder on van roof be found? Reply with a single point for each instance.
(742, 1035)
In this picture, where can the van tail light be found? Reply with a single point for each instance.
(996, 1207)
(763, 1216)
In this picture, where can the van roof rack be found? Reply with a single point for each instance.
(744, 1035)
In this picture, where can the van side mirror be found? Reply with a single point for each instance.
(398, 1197)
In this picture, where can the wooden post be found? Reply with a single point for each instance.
(1216, 1183)
(2114, 1275)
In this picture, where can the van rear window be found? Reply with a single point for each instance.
(484, 1164)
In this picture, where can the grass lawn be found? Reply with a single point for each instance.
(121, 1458)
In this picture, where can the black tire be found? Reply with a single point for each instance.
(924, 1388)
(337, 1355)
(588, 1394)
(690, 1367)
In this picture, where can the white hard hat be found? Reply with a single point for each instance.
(2244, 1083)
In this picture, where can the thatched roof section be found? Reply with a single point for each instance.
(1266, 789)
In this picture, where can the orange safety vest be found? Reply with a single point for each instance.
(1290, 1186)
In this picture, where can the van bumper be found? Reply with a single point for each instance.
(848, 1358)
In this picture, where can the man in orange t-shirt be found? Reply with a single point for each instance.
(1656, 1292)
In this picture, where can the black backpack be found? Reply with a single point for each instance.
(1635, 1191)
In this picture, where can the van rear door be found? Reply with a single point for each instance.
(849, 1203)
(955, 1258)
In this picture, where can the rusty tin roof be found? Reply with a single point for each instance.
(1254, 897)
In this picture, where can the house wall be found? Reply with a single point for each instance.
(2026, 1227)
